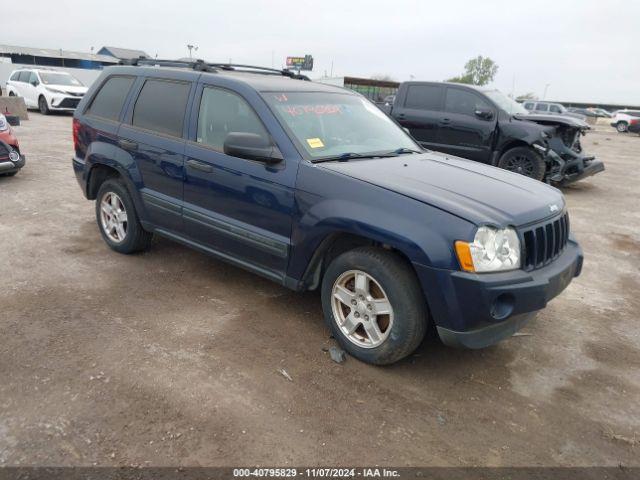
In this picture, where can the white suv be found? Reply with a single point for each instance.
(45, 89)
(622, 118)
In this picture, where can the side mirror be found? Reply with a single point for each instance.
(252, 147)
(34, 83)
(484, 113)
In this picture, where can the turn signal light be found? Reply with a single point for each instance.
(464, 256)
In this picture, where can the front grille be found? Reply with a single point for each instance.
(69, 103)
(543, 243)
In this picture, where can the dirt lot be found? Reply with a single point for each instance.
(171, 357)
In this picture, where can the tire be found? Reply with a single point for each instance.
(525, 161)
(131, 237)
(621, 127)
(42, 105)
(390, 278)
(11, 94)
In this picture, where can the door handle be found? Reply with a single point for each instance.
(127, 144)
(203, 167)
(445, 121)
(401, 115)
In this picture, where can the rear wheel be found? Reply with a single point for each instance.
(621, 127)
(42, 105)
(525, 161)
(117, 218)
(373, 305)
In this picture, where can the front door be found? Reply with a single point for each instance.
(241, 209)
(465, 132)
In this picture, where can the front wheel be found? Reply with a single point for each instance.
(621, 127)
(42, 105)
(373, 305)
(525, 161)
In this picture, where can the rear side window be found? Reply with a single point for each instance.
(109, 100)
(542, 107)
(161, 107)
(463, 102)
(24, 76)
(424, 97)
(223, 112)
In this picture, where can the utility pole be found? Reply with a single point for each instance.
(192, 47)
(544, 95)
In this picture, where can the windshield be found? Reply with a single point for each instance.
(505, 103)
(333, 124)
(59, 79)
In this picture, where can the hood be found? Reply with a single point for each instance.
(474, 191)
(72, 89)
(554, 120)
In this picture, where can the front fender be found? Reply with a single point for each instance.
(424, 234)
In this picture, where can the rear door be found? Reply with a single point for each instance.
(419, 109)
(464, 131)
(237, 208)
(153, 137)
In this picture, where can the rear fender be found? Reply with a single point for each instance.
(109, 155)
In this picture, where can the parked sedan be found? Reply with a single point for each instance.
(11, 160)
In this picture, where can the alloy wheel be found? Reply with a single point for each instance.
(113, 217)
(361, 309)
(520, 164)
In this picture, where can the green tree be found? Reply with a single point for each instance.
(478, 71)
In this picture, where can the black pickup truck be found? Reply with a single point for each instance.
(485, 125)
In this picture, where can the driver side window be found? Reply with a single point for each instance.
(463, 102)
(222, 112)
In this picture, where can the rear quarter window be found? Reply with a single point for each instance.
(110, 99)
(14, 76)
(161, 106)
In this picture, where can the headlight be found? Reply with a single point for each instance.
(4, 125)
(492, 250)
(54, 90)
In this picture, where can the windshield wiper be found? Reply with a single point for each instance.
(351, 155)
(403, 150)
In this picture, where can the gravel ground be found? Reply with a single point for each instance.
(171, 357)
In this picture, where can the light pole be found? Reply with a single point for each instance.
(192, 47)
(544, 95)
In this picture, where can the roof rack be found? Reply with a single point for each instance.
(202, 66)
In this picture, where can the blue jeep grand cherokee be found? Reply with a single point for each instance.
(313, 186)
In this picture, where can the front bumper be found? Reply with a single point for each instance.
(583, 169)
(65, 103)
(477, 310)
(8, 166)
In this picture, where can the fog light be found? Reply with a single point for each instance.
(502, 306)
(14, 156)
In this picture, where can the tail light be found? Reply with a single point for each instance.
(633, 121)
(76, 133)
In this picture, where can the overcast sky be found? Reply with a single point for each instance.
(585, 50)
